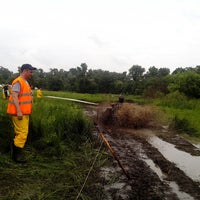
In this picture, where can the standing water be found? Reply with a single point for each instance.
(186, 162)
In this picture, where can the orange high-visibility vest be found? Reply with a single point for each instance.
(24, 97)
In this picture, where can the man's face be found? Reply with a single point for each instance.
(28, 73)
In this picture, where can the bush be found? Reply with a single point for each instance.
(183, 126)
(175, 99)
(187, 83)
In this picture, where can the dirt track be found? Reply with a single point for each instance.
(150, 175)
(132, 149)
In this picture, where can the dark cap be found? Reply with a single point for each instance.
(27, 66)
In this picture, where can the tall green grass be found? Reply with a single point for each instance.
(183, 112)
(56, 122)
(6, 129)
(60, 150)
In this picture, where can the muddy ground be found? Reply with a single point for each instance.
(141, 171)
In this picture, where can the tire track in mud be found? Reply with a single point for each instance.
(145, 183)
(181, 143)
(133, 151)
(173, 173)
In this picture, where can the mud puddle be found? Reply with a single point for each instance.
(147, 159)
(174, 187)
(116, 185)
(152, 174)
(186, 162)
(197, 145)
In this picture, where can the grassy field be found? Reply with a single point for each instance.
(183, 113)
(60, 147)
(60, 151)
(96, 98)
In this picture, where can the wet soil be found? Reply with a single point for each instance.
(132, 148)
(142, 171)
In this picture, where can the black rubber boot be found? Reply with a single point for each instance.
(17, 155)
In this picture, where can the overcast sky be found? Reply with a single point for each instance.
(110, 35)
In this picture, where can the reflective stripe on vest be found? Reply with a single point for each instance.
(23, 102)
(25, 94)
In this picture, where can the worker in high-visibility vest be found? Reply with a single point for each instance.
(39, 93)
(20, 107)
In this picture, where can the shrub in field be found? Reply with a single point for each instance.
(182, 111)
(183, 126)
(175, 99)
(133, 115)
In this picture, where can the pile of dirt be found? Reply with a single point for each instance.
(128, 115)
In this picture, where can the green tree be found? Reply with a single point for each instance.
(187, 83)
(136, 72)
(5, 75)
(152, 72)
(178, 70)
(163, 72)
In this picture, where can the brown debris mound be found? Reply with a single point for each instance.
(132, 115)
(128, 115)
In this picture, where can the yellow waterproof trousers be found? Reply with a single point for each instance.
(21, 130)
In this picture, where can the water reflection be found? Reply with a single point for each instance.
(186, 162)
(175, 188)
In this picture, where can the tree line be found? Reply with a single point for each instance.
(151, 83)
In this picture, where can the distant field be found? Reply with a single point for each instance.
(61, 147)
(183, 113)
(96, 98)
